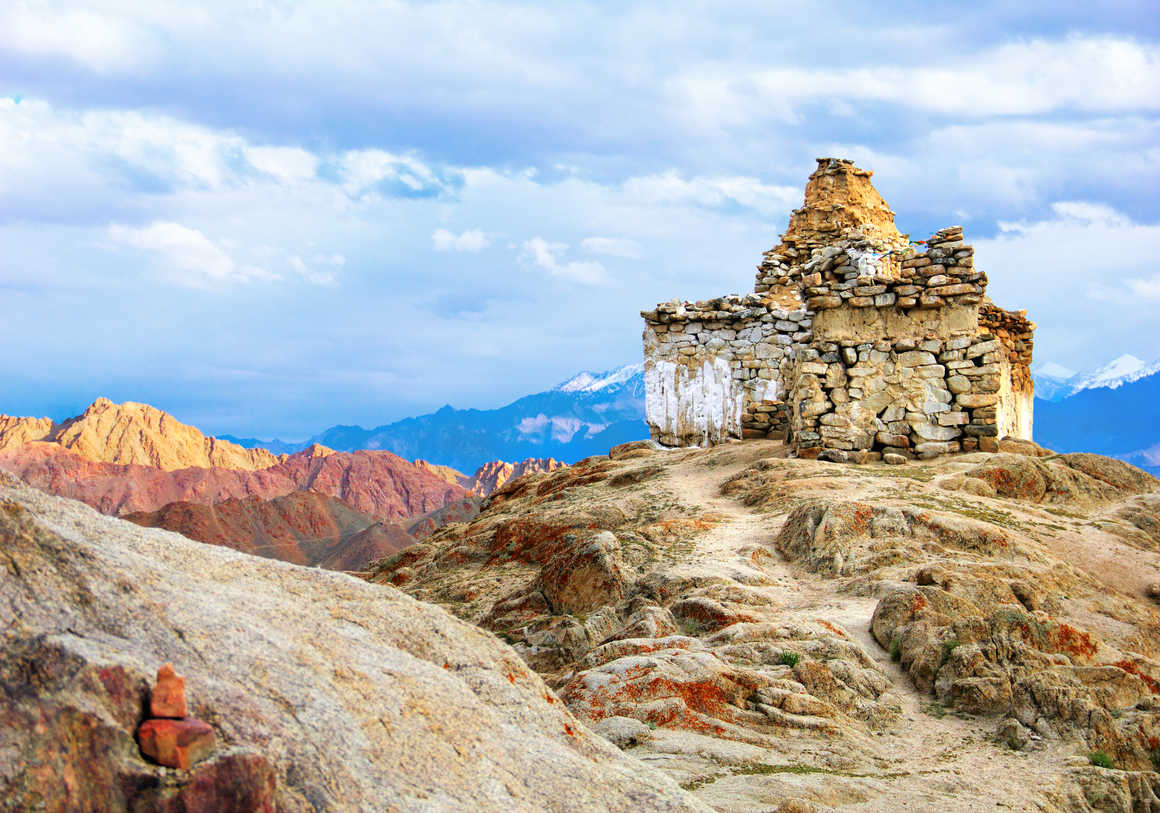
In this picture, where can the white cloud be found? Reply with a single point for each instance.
(188, 256)
(612, 246)
(1086, 277)
(287, 164)
(326, 276)
(1083, 72)
(100, 42)
(542, 254)
(472, 240)
(1148, 289)
(364, 171)
(751, 193)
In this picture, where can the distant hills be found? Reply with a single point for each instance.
(1112, 410)
(583, 416)
(316, 506)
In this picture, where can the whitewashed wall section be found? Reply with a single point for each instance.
(697, 404)
(702, 368)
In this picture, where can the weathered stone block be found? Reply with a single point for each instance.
(915, 358)
(176, 743)
(979, 349)
(970, 400)
(930, 431)
(893, 440)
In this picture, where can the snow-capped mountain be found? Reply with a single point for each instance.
(1054, 382)
(594, 382)
(582, 416)
(1123, 370)
(1114, 410)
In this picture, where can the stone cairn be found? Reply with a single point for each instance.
(171, 737)
(857, 343)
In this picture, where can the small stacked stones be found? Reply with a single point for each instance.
(172, 738)
(854, 273)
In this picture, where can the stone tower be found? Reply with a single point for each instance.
(855, 341)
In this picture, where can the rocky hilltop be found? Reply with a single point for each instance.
(818, 636)
(492, 476)
(304, 528)
(132, 433)
(322, 692)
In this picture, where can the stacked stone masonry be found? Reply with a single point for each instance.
(855, 343)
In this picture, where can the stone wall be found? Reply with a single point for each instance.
(1016, 391)
(924, 397)
(706, 363)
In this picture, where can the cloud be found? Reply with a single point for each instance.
(472, 241)
(1148, 289)
(103, 43)
(749, 193)
(326, 276)
(542, 254)
(377, 173)
(612, 246)
(1085, 275)
(188, 256)
(1028, 76)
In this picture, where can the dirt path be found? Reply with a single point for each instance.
(929, 760)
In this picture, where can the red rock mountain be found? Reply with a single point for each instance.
(132, 433)
(304, 528)
(316, 507)
(494, 475)
(377, 483)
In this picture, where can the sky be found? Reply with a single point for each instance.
(271, 217)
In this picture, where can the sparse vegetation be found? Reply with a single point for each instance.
(895, 650)
(947, 648)
(935, 709)
(789, 658)
(1100, 759)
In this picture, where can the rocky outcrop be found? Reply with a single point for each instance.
(444, 473)
(769, 628)
(132, 433)
(377, 483)
(15, 432)
(323, 692)
(304, 528)
(490, 477)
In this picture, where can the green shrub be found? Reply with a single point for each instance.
(947, 648)
(895, 650)
(789, 658)
(1100, 759)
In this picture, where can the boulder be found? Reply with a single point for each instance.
(326, 692)
(584, 576)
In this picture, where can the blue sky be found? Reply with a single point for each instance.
(268, 218)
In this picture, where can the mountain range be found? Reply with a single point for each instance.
(583, 416)
(316, 506)
(1110, 410)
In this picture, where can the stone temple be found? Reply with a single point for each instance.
(856, 342)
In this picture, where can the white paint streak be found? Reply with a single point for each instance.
(702, 405)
